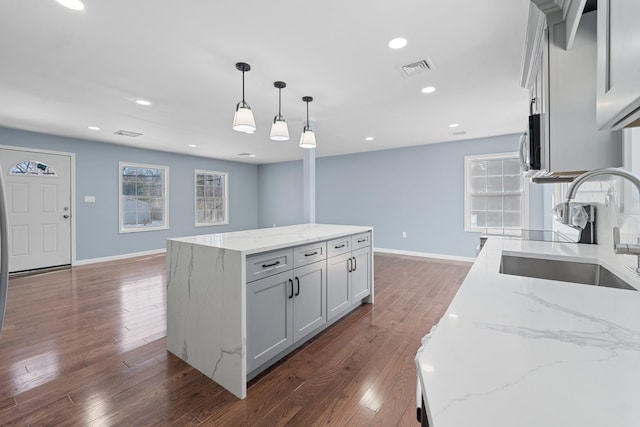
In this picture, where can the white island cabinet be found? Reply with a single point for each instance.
(238, 302)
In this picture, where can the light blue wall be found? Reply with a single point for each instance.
(97, 175)
(280, 194)
(419, 190)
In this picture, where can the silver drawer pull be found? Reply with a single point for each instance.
(338, 247)
(312, 253)
(270, 265)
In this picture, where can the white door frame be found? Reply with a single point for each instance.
(73, 188)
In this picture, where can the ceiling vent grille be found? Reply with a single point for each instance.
(127, 133)
(460, 132)
(417, 67)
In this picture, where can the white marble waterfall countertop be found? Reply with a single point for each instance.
(516, 351)
(267, 239)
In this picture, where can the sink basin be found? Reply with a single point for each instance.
(565, 271)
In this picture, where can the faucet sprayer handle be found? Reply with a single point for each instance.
(616, 237)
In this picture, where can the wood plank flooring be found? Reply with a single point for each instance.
(86, 346)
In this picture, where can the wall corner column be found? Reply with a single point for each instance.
(309, 189)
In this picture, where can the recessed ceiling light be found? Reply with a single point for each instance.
(246, 155)
(454, 125)
(93, 128)
(192, 145)
(428, 89)
(398, 43)
(252, 155)
(369, 138)
(72, 4)
(142, 102)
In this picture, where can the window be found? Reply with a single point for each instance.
(143, 197)
(496, 197)
(212, 198)
(32, 167)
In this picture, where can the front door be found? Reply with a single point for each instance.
(39, 208)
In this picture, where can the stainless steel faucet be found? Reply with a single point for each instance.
(619, 248)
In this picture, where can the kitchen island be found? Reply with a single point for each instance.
(521, 351)
(237, 302)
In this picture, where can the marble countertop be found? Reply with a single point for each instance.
(267, 239)
(517, 351)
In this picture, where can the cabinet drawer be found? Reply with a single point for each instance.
(338, 246)
(268, 264)
(307, 254)
(361, 240)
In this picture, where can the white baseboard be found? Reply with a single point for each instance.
(117, 257)
(424, 255)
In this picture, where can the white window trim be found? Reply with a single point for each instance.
(122, 229)
(195, 198)
(467, 196)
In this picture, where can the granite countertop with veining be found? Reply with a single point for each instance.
(272, 238)
(517, 351)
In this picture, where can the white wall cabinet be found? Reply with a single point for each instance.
(618, 64)
(563, 84)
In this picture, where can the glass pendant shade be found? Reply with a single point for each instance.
(279, 129)
(308, 138)
(243, 119)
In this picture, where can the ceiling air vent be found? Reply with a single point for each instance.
(460, 132)
(417, 67)
(127, 133)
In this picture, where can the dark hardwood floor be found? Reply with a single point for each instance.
(86, 346)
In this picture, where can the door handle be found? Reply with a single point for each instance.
(291, 284)
(65, 216)
(298, 283)
(349, 265)
(355, 264)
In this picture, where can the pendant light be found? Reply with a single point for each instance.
(279, 129)
(308, 138)
(243, 119)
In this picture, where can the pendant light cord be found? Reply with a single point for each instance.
(279, 101)
(243, 86)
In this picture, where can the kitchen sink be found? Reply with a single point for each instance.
(565, 271)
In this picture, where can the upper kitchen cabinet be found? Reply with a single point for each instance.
(563, 136)
(618, 64)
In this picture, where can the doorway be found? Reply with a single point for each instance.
(39, 205)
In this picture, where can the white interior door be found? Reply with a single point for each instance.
(38, 189)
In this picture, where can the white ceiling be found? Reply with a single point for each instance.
(62, 71)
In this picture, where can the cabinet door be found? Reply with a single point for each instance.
(618, 63)
(269, 318)
(360, 280)
(338, 289)
(309, 301)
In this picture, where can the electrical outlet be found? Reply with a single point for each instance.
(404, 234)
(89, 199)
